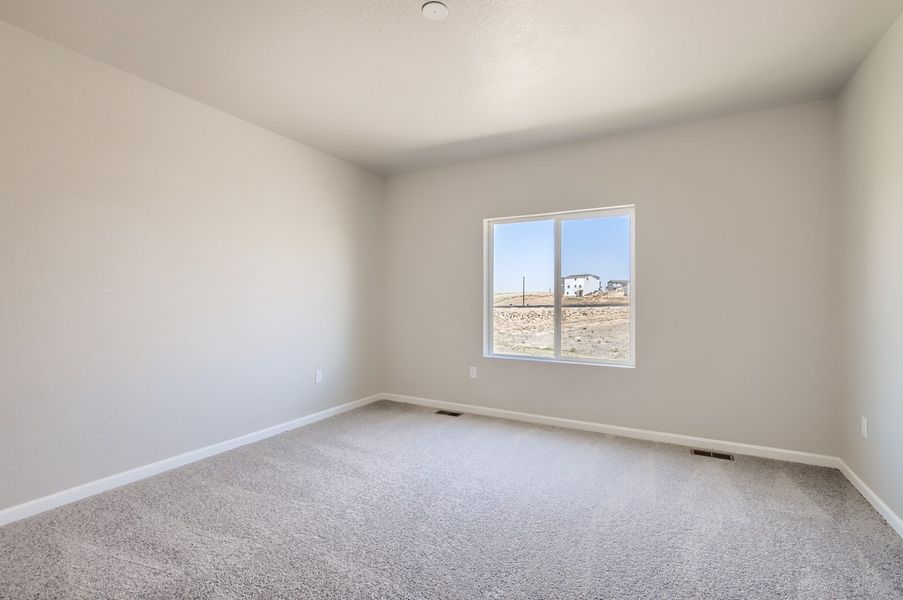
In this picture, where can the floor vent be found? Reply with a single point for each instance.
(448, 413)
(710, 454)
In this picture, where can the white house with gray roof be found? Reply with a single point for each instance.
(575, 286)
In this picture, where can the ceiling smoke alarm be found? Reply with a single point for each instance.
(434, 11)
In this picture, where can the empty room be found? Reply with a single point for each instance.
(458, 300)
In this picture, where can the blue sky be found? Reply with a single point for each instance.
(599, 245)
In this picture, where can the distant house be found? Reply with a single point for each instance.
(576, 286)
(617, 285)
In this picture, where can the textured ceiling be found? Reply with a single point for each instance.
(374, 82)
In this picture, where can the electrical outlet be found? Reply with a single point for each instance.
(318, 376)
(472, 372)
(865, 428)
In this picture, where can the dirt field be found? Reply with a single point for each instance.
(540, 299)
(600, 332)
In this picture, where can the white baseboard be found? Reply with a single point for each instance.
(33, 507)
(45, 503)
(892, 518)
(821, 460)
(808, 458)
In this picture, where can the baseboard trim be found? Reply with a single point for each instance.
(892, 518)
(45, 503)
(821, 460)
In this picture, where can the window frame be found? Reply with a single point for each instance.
(557, 218)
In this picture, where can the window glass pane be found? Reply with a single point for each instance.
(595, 290)
(523, 271)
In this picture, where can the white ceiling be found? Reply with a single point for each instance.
(374, 82)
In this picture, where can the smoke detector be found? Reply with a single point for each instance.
(434, 11)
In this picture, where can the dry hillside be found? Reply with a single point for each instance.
(595, 326)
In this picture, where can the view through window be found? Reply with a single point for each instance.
(587, 316)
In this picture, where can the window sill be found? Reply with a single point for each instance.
(564, 361)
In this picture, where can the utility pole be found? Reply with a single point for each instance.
(523, 292)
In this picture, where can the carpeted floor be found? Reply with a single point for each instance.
(393, 501)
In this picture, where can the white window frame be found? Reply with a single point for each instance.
(558, 290)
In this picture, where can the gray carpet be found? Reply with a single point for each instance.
(393, 501)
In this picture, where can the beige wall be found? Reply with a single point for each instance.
(745, 205)
(164, 273)
(871, 117)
